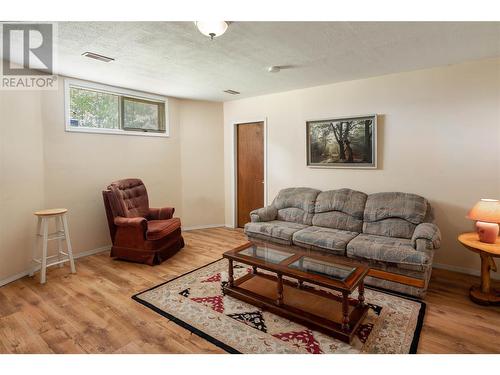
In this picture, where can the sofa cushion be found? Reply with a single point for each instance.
(386, 249)
(340, 209)
(296, 205)
(158, 229)
(392, 227)
(393, 214)
(332, 240)
(276, 230)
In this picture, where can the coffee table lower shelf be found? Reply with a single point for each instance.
(313, 308)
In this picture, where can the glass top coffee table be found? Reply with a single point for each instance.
(283, 279)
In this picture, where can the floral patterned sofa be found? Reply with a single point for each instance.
(393, 233)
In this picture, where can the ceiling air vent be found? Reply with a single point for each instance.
(96, 56)
(232, 92)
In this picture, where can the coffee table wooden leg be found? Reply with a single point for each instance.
(361, 293)
(279, 301)
(230, 273)
(345, 311)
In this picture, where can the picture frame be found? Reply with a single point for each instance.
(342, 142)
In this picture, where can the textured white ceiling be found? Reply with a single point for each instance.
(173, 58)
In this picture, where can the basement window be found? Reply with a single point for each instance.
(96, 108)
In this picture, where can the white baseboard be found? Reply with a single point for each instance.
(206, 226)
(13, 278)
(467, 271)
(76, 256)
(93, 251)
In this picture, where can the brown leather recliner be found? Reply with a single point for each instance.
(140, 233)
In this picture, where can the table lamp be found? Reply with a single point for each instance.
(486, 212)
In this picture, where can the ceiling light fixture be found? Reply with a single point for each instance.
(274, 69)
(232, 92)
(213, 29)
(96, 56)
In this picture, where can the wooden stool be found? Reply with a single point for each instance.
(61, 233)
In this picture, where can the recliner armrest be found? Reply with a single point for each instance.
(426, 236)
(162, 213)
(267, 213)
(130, 231)
(131, 222)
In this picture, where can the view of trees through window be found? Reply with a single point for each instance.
(103, 110)
(94, 109)
(140, 115)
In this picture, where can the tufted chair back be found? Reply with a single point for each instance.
(126, 198)
(129, 198)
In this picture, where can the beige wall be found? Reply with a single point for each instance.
(45, 166)
(21, 177)
(439, 136)
(202, 159)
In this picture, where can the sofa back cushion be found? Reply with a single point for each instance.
(296, 205)
(340, 209)
(394, 214)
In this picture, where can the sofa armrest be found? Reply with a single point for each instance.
(163, 213)
(426, 237)
(267, 213)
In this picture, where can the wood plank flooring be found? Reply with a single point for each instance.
(92, 312)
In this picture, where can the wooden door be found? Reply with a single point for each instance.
(250, 165)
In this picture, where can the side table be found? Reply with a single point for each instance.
(483, 294)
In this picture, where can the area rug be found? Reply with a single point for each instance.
(196, 302)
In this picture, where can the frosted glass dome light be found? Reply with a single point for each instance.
(212, 29)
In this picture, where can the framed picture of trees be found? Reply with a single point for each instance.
(347, 142)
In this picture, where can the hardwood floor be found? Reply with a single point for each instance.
(92, 312)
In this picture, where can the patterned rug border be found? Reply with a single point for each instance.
(230, 350)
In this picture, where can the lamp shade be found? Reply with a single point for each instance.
(487, 210)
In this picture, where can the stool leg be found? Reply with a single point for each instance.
(68, 244)
(35, 245)
(59, 227)
(45, 231)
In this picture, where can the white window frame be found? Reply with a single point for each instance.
(70, 82)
